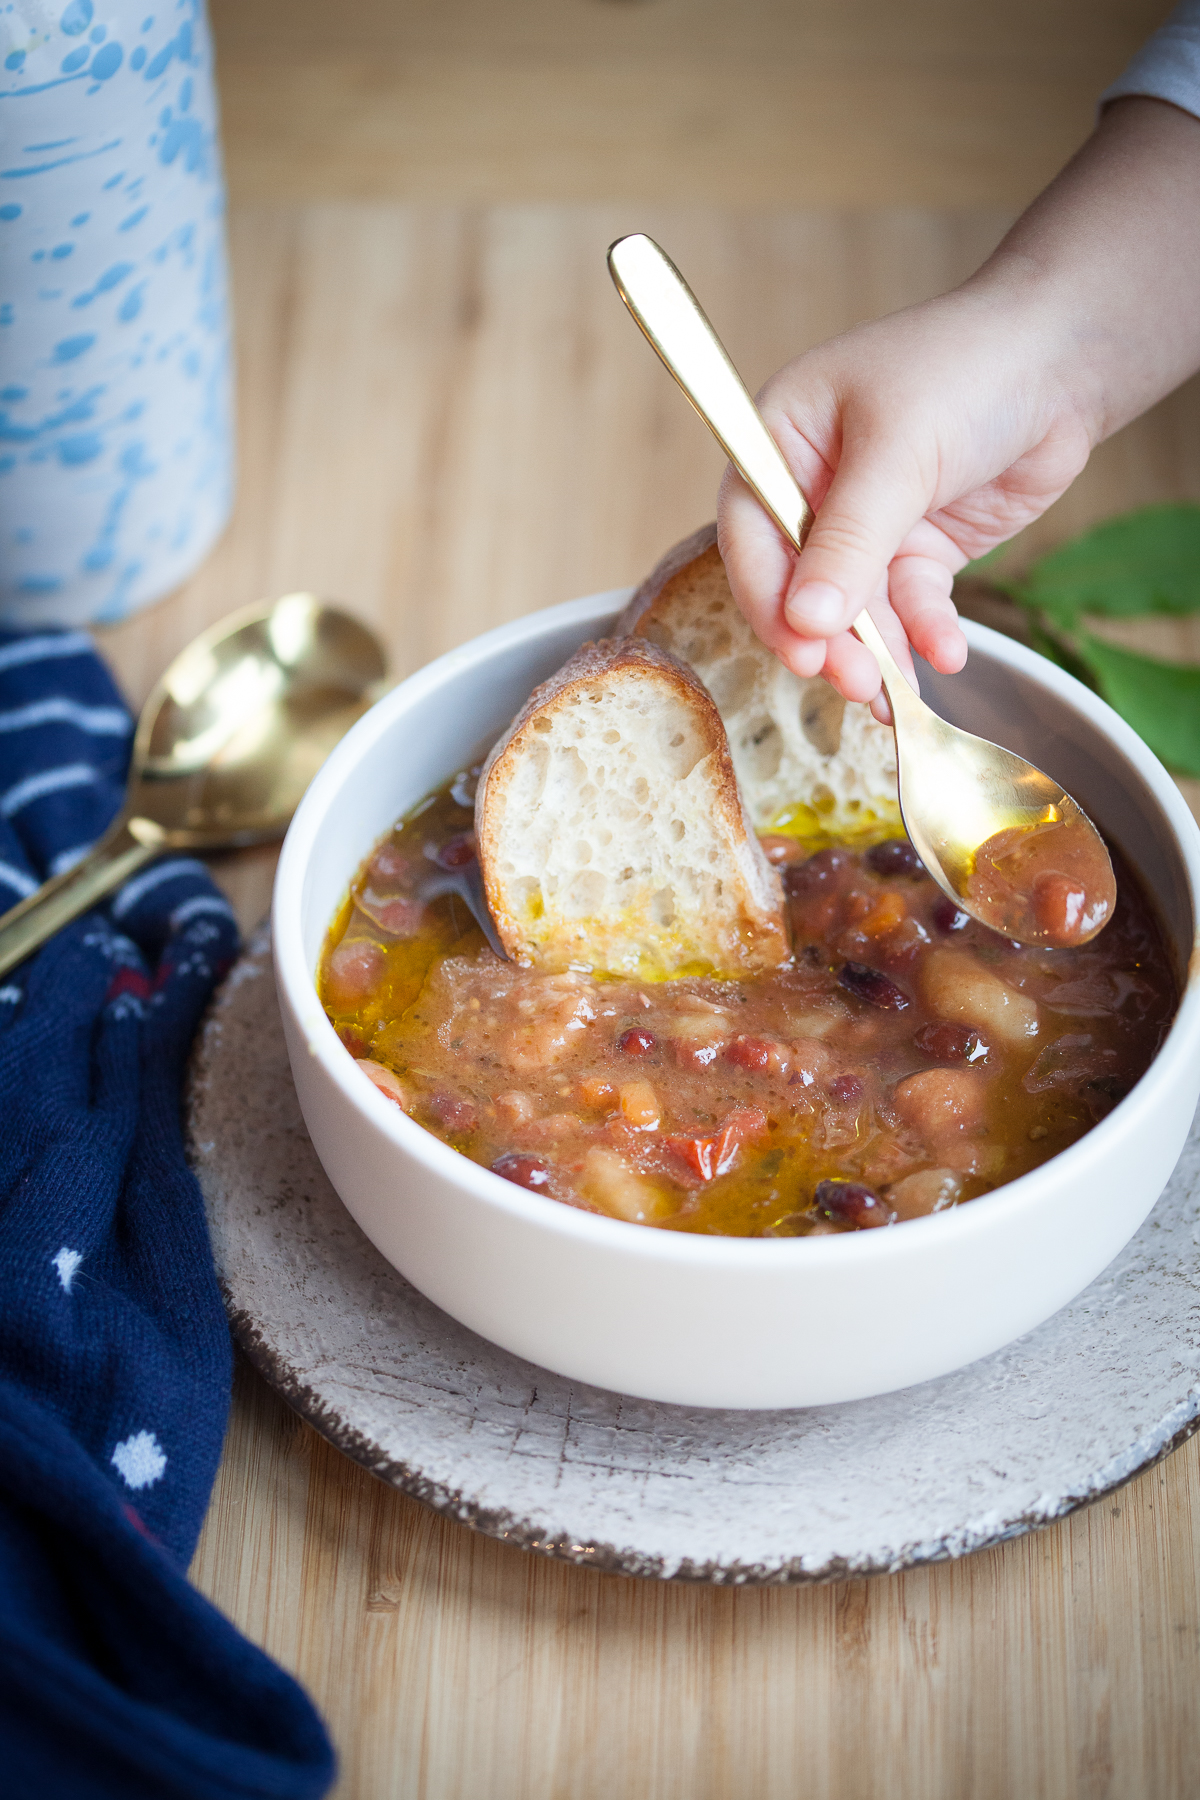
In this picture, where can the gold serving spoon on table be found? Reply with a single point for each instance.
(225, 747)
(998, 836)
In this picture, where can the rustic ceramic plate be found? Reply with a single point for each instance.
(1105, 1388)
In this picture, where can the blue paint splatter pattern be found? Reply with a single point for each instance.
(116, 455)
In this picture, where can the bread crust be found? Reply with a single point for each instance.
(593, 661)
(675, 571)
(760, 939)
(808, 763)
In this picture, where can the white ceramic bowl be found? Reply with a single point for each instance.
(713, 1321)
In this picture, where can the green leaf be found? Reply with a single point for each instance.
(982, 562)
(1058, 650)
(1145, 562)
(1160, 700)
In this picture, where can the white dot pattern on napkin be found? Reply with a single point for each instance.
(140, 1460)
(66, 1262)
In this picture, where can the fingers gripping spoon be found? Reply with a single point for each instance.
(998, 836)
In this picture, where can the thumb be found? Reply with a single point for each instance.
(870, 508)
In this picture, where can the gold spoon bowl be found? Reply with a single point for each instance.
(999, 836)
(225, 746)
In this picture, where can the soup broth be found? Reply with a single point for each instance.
(906, 1060)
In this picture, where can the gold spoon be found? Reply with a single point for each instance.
(225, 747)
(988, 826)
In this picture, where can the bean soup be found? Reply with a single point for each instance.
(906, 1060)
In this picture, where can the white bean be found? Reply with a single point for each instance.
(615, 1187)
(958, 987)
(387, 1083)
(941, 1102)
(515, 1108)
(926, 1191)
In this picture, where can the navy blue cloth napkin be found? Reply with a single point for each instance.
(116, 1677)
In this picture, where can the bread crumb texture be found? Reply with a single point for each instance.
(611, 832)
(810, 764)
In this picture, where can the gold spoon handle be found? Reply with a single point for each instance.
(110, 861)
(676, 325)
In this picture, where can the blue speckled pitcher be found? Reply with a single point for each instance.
(116, 463)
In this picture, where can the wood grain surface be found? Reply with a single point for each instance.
(446, 420)
(758, 103)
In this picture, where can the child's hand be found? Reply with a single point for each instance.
(924, 439)
(920, 441)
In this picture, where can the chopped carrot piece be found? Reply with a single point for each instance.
(888, 912)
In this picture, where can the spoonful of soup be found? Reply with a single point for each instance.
(998, 836)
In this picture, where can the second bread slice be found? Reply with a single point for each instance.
(808, 763)
(611, 831)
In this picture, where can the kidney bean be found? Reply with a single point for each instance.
(947, 1042)
(452, 1113)
(869, 984)
(820, 871)
(400, 916)
(637, 1041)
(352, 974)
(948, 916)
(850, 1203)
(456, 853)
(895, 857)
(388, 864)
(757, 1053)
(846, 1088)
(1058, 906)
(526, 1171)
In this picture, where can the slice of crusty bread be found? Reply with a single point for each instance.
(610, 828)
(795, 744)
